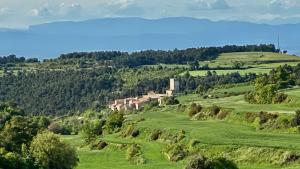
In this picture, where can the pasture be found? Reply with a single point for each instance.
(252, 62)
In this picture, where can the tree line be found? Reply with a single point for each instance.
(152, 57)
(14, 59)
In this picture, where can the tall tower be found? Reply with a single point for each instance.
(174, 85)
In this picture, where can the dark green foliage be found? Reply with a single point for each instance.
(58, 129)
(98, 145)
(92, 128)
(201, 162)
(171, 100)
(7, 111)
(19, 130)
(267, 86)
(49, 152)
(12, 160)
(155, 135)
(265, 117)
(130, 130)
(134, 153)
(214, 110)
(13, 59)
(175, 152)
(223, 163)
(280, 98)
(296, 119)
(151, 57)
(58, 92)
(114, 122)
(194, 109)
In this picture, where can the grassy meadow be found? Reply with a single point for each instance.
(255, 62)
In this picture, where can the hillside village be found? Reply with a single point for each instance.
(138, 103)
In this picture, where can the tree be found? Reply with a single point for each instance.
(19, 130)
(49, 152)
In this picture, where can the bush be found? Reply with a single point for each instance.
(134, 153)
(265, 117)
(155, 135)
(296, 119)
(214, 110)
(194, 109)
(223, 163)
(130, 131)
(48, 151)
(175, 152)
(193, 143)
(99, 145)
(199, 162)
(171, 101)
(58, 129)
(114, 122)
(280, 98)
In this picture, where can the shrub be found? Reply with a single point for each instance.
(214, 110)
(135, 133)
(250, 117)
(134, 153)
(222, 114)
(58, 129)
(193, 143)
(48, 151)
(130, 131)
(114, 121)
(296, 119)
(175, 152)
(199, 162)
(194, 109)
(99, 145)
(223, 163)
(265, 117)
(280, 98)
(171, 101)
(181, 135)
(155, 135)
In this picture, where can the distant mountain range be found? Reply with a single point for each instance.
(131, 34)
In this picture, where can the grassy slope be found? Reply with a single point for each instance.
(249, 59)
(240, 105)
(214, 133)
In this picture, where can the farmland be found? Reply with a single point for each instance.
(252, 62)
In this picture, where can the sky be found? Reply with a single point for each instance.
(22, 13)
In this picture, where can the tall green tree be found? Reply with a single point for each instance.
(49, 152)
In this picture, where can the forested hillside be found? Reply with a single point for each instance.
(76, 81)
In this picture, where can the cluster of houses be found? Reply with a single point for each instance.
(139, 102)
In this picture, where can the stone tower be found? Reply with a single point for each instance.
(174, 85)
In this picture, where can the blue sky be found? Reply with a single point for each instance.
(22, 13)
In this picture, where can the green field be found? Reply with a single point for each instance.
(255, 60)
(215, 136)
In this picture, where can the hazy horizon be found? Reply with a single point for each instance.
(16, 15)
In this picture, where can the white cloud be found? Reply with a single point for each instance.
(284, 4)
(5, 11)
(16, 13)
(209, 4)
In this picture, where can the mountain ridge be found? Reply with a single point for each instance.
(49, 40)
